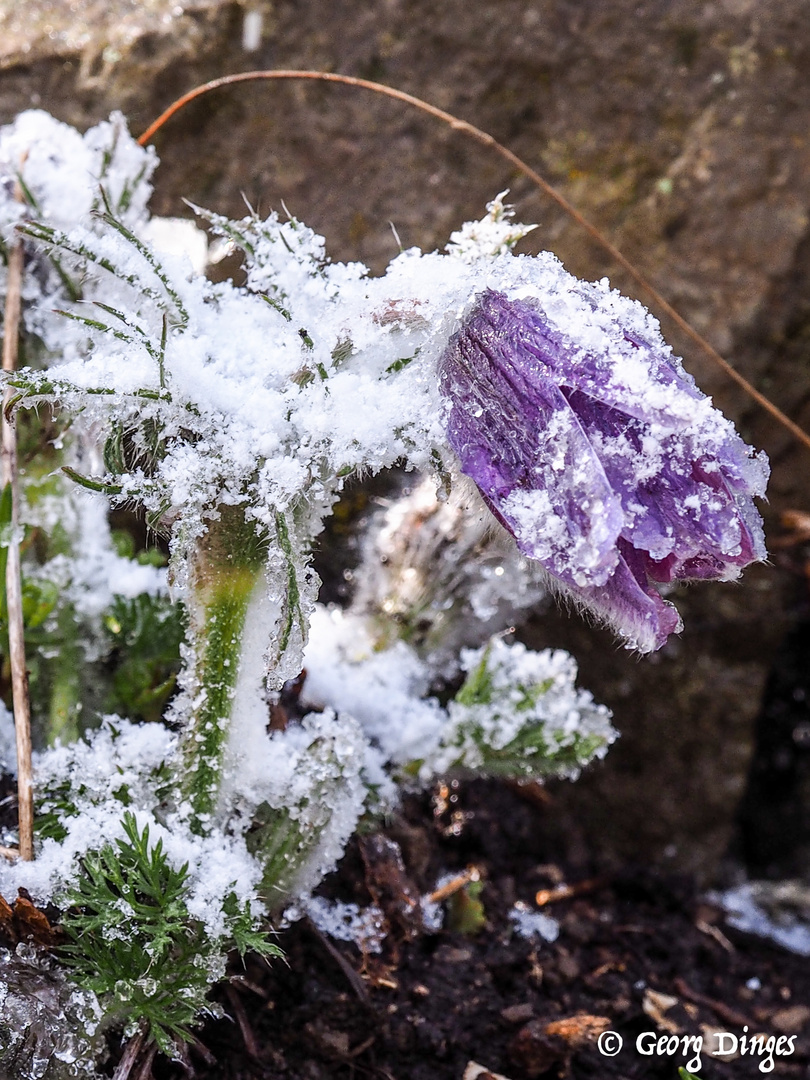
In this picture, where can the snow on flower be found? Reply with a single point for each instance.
(598, 453)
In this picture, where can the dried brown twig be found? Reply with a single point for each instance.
(131, 1053)
(455, 885)
(16, 643)
(488, 140)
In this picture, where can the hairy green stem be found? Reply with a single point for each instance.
(227, 568)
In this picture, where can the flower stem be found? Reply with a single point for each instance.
(226, 570)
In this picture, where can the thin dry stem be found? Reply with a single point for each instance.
(565, 892)
(130, 1055)
(10, 853)
(16, 643)
(487, 140)
(248, 1037)
(454, 885)
(145, 1068)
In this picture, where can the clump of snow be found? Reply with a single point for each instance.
(94, 574)
(178, 237)
(778, 911)
(385, 691)
(518, 692)
(344, 922)
(433, 911)
(533, 924)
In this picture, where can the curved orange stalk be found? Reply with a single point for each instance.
(487, 140)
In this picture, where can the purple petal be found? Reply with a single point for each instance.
(647, 383)
(626, 602)
(518, 439)
(691, 514)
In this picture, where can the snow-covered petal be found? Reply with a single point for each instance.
(598, 453)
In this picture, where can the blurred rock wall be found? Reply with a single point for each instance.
(680, 127)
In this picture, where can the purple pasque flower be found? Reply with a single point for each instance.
(595, 449)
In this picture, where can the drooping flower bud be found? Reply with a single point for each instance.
(595, 449)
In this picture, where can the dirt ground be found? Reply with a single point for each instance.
(637, 952)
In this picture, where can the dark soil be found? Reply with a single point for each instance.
(433, 1002)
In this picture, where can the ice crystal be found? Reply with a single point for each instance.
(49, 1029)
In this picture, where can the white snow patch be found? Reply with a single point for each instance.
(533, 924)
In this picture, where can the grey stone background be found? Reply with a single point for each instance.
(680, 127)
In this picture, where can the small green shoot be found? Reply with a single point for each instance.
(465, 911)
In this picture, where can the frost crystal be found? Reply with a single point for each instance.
(49, 1029)
(495, 234)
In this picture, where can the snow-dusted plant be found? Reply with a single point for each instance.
(232, 416)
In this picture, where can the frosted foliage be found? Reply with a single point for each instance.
(310, 775)
(119, 749)
(338, 373)
(521, 711)
(233, 416)
(442, 573)
(61, 171)
(85, 787)
(49, 1029)
(495, 234)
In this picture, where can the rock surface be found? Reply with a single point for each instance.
(680, 128)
